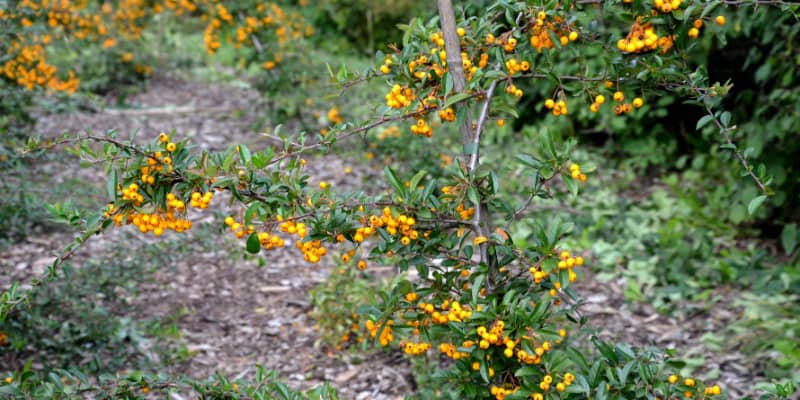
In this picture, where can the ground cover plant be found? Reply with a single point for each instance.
(511, 154)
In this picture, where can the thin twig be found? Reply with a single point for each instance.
(735, 149)
(473, 162)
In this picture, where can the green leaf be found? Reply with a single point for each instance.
(253, 245)
(458, 97)
(572, 185)
(111, 186)
(709, 7)
(252, 210)
(416, 179)
(725, 118)
(472, 195)
(528, 160)
(509, 297)
(391, 176)
(789, 238)
(755, 203)
(470, 148)
(539, 311)
(702, 122)
(604, 349)
(577, 357)
(527, 371)
(476, 287)
(245, 155)
(547, 144)
(426, 193)
(600, 392)
(448, 83)
(484, 372)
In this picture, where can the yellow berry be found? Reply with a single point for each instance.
(720, 20)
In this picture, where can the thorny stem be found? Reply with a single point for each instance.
(361, 129)
(65, 254)
(739, 156)
(475, 156)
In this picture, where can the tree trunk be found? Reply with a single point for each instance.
(470, 137)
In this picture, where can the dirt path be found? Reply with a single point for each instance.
(614, 319)
(234, 314)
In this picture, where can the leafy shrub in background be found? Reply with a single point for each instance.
(761, 100)
(365, 24)
(137, 385)
(74, 319)
(335, 304)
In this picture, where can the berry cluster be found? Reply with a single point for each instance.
(567, 262)
(558, 108)
(415, 349)
(465, 213)
(402, 225)
(643, 38)
(422, 128)
(446, 115)
(500, 392)
(575, 173)
(386, 337)
(450, 312)
(131, 193)
(399, 97)
(547, 381)
(541, 31)
(514, 66)
(451, 351)
(492, 336)
(667, 6)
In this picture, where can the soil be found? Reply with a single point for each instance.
(234, 314)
